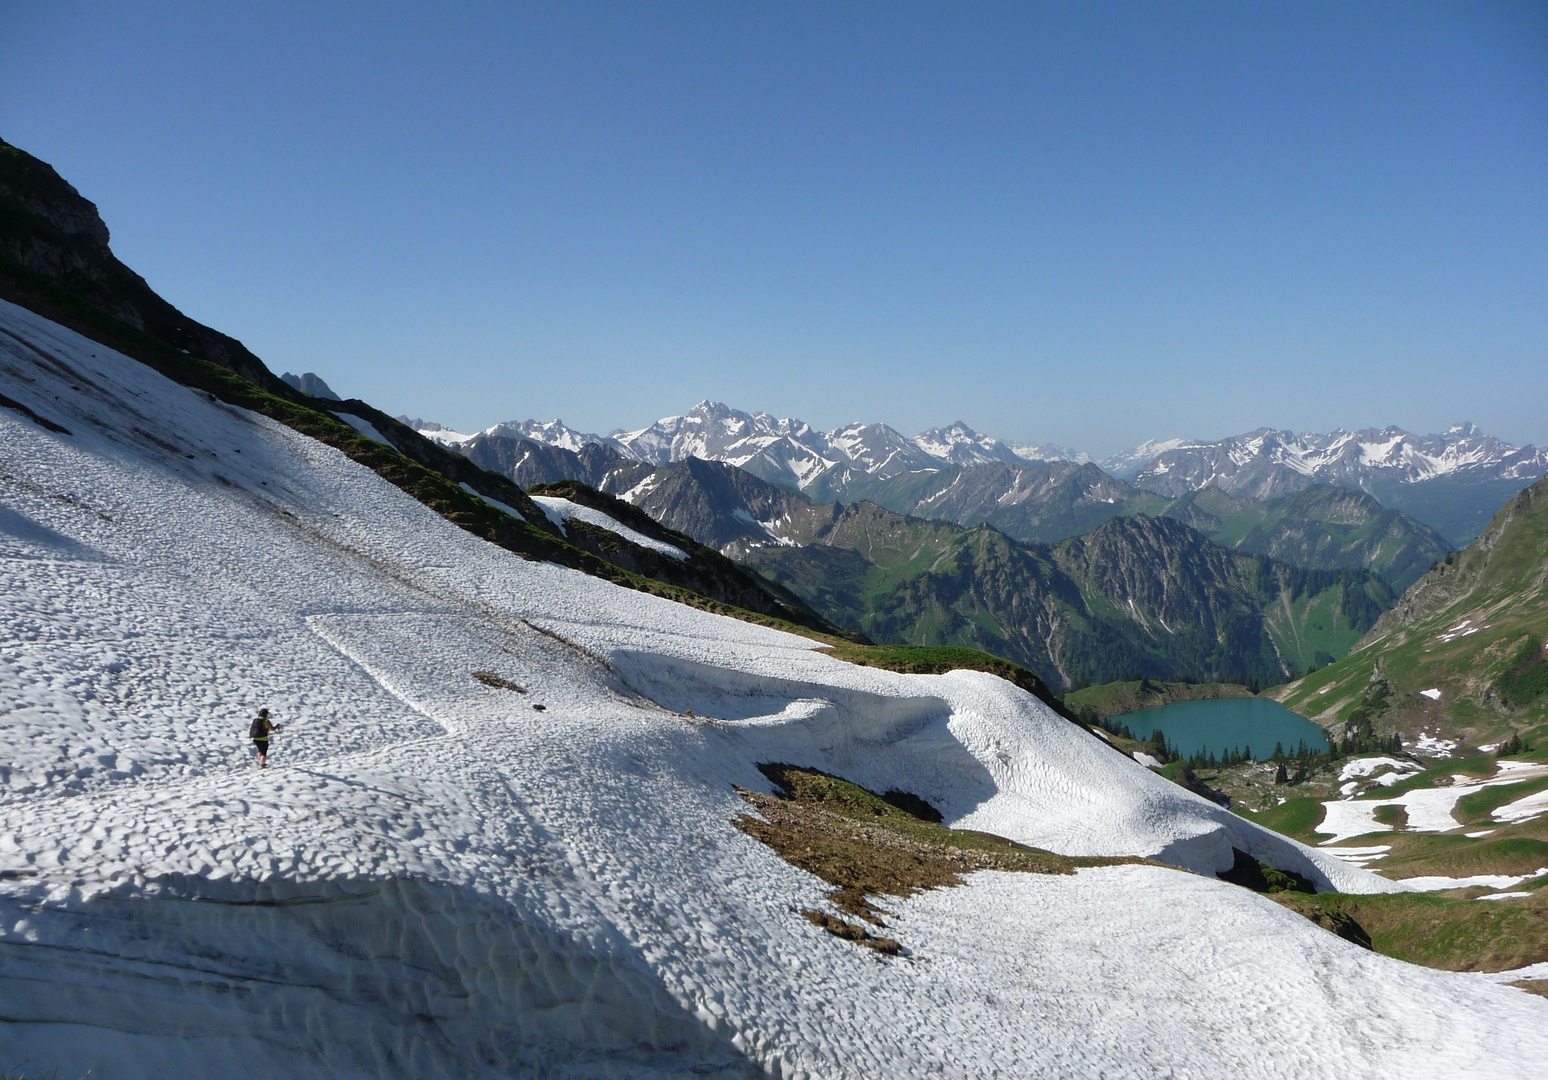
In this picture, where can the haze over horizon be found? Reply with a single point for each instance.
(1086, 226)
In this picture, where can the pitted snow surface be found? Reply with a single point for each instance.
(436, 879)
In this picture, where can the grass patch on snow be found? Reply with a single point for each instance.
(867, 845)
(1507, 851)
(1481, 805)
(498, 682)
(1298, 818)
(1447, 932)
(1394, 816)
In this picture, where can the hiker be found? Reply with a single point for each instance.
(260, 736)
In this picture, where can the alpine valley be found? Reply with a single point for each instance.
(724, 748)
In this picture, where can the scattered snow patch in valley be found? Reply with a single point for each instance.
(1429, 809)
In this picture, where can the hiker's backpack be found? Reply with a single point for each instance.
(260, 728)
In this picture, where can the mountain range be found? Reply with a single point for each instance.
(534, 809)
(1452, 482)
(1322, 527)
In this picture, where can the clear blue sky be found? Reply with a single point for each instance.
(1085, 223)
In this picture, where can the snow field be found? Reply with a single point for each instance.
(561, 510)
(435, 879)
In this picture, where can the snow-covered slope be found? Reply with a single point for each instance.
(560, 511)
(1129, 462)
(437, 879)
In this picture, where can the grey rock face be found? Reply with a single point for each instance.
(311, 384)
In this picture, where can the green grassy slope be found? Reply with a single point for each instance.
(1473, 629)
(1323, 527)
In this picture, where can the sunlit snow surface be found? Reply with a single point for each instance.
(436, 879)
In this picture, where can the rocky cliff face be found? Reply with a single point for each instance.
(55, 260)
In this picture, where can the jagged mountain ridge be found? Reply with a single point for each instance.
(1322, 528)
(782, 450)
(1453, 481)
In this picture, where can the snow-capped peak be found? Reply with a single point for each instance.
(789, 450)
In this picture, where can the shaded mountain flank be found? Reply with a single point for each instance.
(1319, 527)
(528, 462)
(1137, 595)
(55, 260)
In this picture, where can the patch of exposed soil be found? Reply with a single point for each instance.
(868, 846)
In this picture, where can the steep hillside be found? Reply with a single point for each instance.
(1161, 573)
(663, 554)
(1035, 503)
(55, 261)
(507, 826)
(1322, 527)
(1462, 652)
(528, 462)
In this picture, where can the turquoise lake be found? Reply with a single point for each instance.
(1225, 724)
